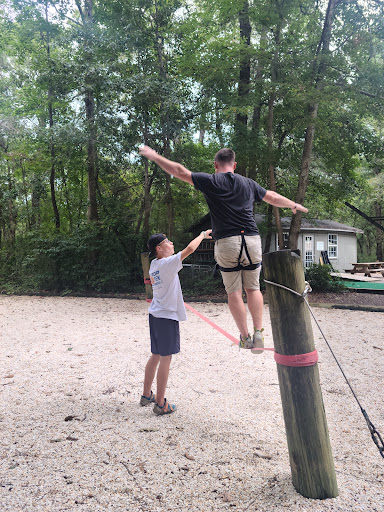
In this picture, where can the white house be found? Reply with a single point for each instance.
(339, 240)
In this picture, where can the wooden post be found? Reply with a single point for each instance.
(145, 265)
(310, 454)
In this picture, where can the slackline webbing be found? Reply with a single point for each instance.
(224, 333)
(298, 360)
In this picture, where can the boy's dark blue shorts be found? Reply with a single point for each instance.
(165, 336)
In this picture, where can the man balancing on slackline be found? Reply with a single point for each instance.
(230, 198)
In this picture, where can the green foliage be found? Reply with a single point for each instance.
(197, 282)
(87, 260)
(320, 278)
(161, 73)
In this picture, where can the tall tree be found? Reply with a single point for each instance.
(51, 97)
(243, 89)
(318, 76)
(86, 12)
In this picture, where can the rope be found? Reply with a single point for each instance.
(377, 439)
(212, 324)
(304, 294)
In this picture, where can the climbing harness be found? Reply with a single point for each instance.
(239, 266)
(376, 437)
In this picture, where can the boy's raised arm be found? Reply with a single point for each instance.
(194, 244)
(172, 168)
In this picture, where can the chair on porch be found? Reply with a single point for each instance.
(324, 259)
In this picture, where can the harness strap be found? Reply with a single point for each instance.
(254, 266)
(251, 266)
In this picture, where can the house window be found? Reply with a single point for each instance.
(308, 249)
(285, 240)
(332, 246)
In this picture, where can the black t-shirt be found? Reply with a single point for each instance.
(230, 198)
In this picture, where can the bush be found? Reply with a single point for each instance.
(321, 280)
(88, 259)
(197, 282)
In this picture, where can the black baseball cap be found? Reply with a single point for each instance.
(153, 242)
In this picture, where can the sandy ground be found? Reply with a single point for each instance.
(73, 437)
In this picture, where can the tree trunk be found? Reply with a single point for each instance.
(51, 141)
(11, 210)
(147, 201)
(145, 265)
(9, 221)
(268, 237)
(276, 211)
(93, 214)
(271, 152)
(219, 128)
(319, 68)
(35, 204)
(1, 220)
(254, 149)
(303, 177)
(241, 123)
(53, 163)
(165, 124)
(26, 195)
(271, 170)
(168, 192)
(86, 15)
(67, 200)
(379, 234)
(145, 214)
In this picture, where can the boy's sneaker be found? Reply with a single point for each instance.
(258, 341)
(246, 342)
(145, 400)
(166, 409)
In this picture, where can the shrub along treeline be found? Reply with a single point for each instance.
(86, 260)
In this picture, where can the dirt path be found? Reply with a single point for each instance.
(73, 437)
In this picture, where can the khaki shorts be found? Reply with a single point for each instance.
(227, 252)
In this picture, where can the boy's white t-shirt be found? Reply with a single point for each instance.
(167, 299)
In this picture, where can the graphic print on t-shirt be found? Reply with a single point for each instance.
(155, 278)
(167, 299)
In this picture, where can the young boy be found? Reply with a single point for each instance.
(165, 312)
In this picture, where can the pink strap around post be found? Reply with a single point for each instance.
(147, 281)
(308, 359)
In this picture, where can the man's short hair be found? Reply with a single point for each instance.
(225, 156)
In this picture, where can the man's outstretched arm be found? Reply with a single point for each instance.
(276, 199)
(175, 169)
